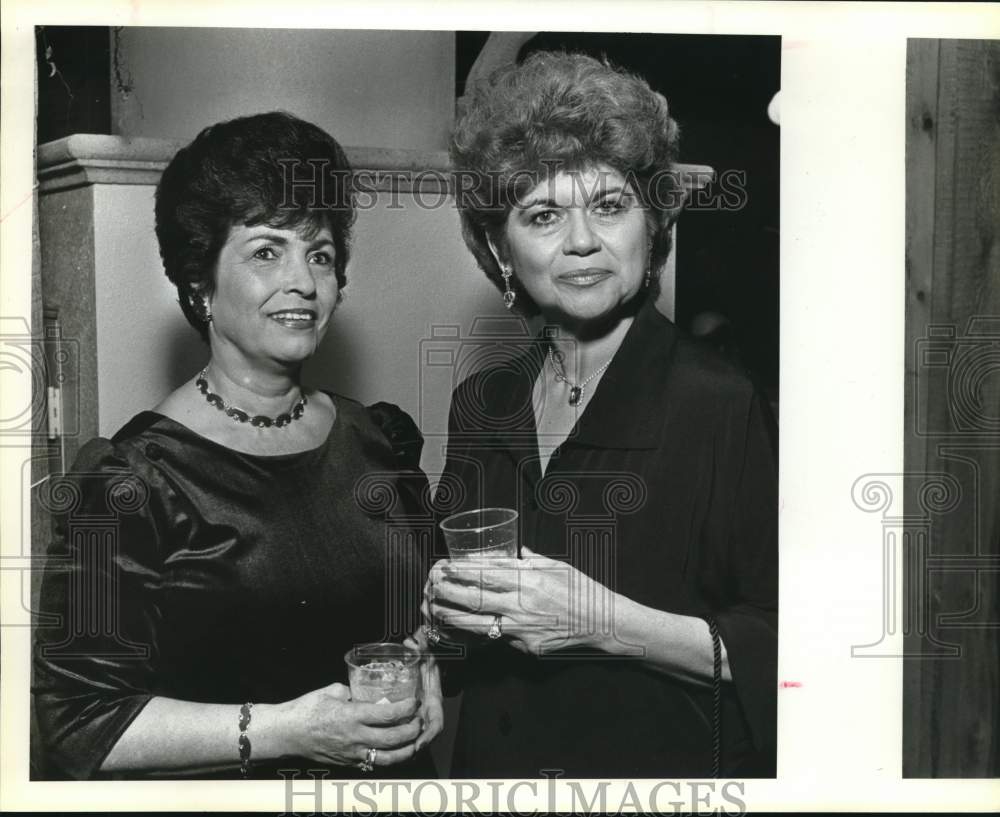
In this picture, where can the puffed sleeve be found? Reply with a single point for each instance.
(402, 433)
(95, 644)
(741, 576)
(413, 504)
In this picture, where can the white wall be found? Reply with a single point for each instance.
(145, 348)
(391, 89)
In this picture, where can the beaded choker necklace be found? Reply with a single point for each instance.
(241, 416)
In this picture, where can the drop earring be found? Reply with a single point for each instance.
(645, 282)
(509, 296)
(199, 303)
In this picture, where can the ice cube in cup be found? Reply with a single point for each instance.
(383, 672)
(483, 533)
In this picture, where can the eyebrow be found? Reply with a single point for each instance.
(599, 193)
(277, 238)
(320, 242)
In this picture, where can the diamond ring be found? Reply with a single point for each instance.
(368, 763)
(495, 631)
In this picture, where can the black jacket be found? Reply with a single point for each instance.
(666, 492)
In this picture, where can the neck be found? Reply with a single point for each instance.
(585, 349)
(264, 391)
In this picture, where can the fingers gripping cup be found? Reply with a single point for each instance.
(483, 533)
(383, 673)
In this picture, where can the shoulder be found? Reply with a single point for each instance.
(401, 432)
(99, 456)
(351, 415)
(495, 398)
(384, 425)
(702, 371)
(116, 453)
(497, 381)
(716, 387)
(108, 475)
(472, 385)
(696, 377)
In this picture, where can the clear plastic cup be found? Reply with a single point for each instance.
(383, 672)
(483, 533)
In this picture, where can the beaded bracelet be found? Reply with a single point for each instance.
(713, 630)
(244, 741)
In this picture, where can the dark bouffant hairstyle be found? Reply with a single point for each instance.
(560, 112)
(271, 168)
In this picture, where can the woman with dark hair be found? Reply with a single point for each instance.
(636, 636)
(250, 547)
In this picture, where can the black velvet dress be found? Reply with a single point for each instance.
(666, 492)
(189, 570)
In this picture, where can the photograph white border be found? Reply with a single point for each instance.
(842, 343)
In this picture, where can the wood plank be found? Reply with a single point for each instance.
(921, 146)
(952, 707)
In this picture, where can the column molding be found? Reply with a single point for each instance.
(88, 158)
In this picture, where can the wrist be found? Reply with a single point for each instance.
(611, 637)
(617, 639)
(269, 732)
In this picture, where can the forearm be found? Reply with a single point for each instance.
(173, 735)
(677, 645)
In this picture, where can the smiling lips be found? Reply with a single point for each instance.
(584, 277)
(295, 318)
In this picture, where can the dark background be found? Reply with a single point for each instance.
(74, 80)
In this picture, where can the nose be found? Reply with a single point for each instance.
(299, 276)
(580, 238)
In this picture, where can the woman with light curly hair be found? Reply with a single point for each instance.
(636, 635)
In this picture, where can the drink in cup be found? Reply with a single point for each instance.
(383, 673)
(483, 533)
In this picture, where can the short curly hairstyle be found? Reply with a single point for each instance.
(560, 111)
(270, 168)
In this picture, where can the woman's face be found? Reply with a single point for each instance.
(275, 291)
(579, 244)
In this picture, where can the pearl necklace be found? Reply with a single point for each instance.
(575, 389)
(241, 416)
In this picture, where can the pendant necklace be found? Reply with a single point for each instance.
(241, 416)
(575, 389)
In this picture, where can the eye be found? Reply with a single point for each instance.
(610, 207)
(544, 217)
(324, 259)
(265, 253)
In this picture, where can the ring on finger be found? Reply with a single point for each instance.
(495, 630)
(368, 763)
(433, 634)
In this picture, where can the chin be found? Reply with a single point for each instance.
(592, 310)
(295, 355)
(598, 312)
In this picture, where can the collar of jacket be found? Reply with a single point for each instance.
(627, 408)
